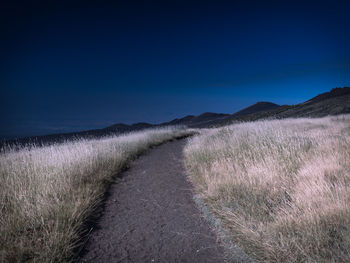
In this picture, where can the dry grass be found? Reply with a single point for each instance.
(47, 193)
(281, 187)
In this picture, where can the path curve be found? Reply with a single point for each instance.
(150, 215)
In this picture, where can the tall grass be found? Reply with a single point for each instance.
(46, 193)
(281, 187)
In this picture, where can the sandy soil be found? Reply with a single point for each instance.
(150, 215)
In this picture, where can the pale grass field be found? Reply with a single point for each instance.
(281, 187)
(47, 193)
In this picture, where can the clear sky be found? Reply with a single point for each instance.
(77, 65)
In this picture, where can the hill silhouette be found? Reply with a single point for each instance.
(334, 102)
(206, 119)
(336, 92)
(257, 107)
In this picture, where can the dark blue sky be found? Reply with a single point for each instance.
(76, 65)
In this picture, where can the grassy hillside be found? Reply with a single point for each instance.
(47, 193)
(334, 102)
(281, 187)
(319, 108)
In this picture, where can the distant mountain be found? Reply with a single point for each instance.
(325, 104)
(121, 127)
(206, 119)
(209, 119)
(337, 92)
(257, 107)
(335, 102)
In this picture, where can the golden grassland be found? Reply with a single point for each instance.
(47, 193)
(280, 187)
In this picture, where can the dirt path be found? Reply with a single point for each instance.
(150, 216)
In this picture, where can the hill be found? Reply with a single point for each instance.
(337, 92)
(257, 107)
(209, 119)
(335, 102)
(121, 127)
(206, 119)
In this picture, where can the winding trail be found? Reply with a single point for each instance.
(150, 215)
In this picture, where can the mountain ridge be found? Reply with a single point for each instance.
(334, 102)
(336, 92)
(257, 107)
